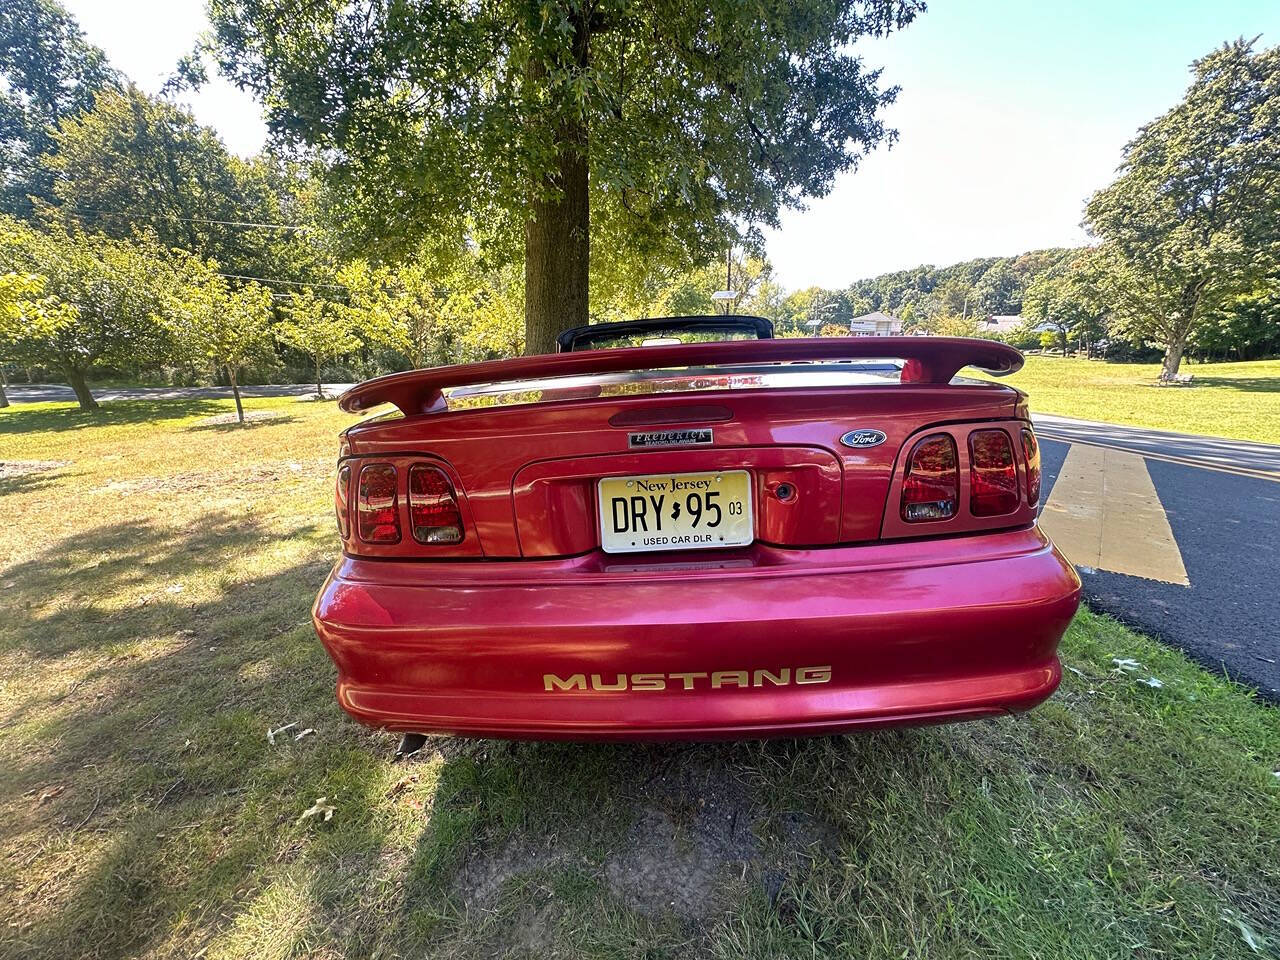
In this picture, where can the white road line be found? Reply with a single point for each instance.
(1191, 461)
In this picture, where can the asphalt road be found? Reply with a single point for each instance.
(45, 392)
(1221, 499)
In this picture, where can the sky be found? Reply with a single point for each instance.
(1010, 115)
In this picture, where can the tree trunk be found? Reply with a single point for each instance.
(319, 389)
(557, 245)
(76, 379)
(1173, 356)
(235, 391)
(1181, 331)
(4, 398)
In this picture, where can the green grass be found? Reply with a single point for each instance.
(154, 624)
(1237, 400)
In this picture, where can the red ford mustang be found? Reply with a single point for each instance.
(739, 538)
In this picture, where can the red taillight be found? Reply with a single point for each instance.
(993, 478)
(1031, 451)
(340, 500)
(433, 509)
(931, 487)
(378, 509)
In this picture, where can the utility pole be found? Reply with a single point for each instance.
(728, 277)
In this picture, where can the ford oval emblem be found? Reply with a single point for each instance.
(863, 438)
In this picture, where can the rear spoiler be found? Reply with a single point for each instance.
(926, 360)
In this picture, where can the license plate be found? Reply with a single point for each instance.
(681, 511)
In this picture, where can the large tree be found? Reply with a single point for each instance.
(136, 161)
(48, 72)
(1193, 219)
(660, 125)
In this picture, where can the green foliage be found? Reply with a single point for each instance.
(1193, 220)
(680, 120)
(48, 72)
(216, 324)
(954, 325)
(434, 310)
(317, 328)
(19, 307)
(979, 288)
(1067, 296)
(98, 301)
(1246, 326)
(689, 293)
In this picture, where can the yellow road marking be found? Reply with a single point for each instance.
(1104, 513)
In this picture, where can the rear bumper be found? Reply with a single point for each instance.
(758, 642)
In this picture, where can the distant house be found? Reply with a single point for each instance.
(875, 325)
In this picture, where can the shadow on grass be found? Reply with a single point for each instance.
(170, 793)
(21, 418)
(28, 482)
(177, 824)
(1246, 384)
(235, 425)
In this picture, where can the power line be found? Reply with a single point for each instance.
(226, 223)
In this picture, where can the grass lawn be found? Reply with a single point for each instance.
(154, 601)
(1237, 400)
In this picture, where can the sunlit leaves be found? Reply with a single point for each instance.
(449, 118)
(97, 302)
(316, 328)
(214, 323)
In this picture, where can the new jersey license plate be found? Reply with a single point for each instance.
(681, 511)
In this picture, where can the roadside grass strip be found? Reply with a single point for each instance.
(154, 631)
(1236, 400)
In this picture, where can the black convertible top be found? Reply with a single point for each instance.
(594, 335)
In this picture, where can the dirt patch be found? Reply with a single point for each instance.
(21, 468)
(696, 835)
(701, 840)
(223, 480)
(480, 880)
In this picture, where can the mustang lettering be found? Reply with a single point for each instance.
(716, 679)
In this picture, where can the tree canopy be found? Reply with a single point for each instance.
(674, 121)
(211, 321)
(98, 301)
(135, 161)
(1193, 219)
